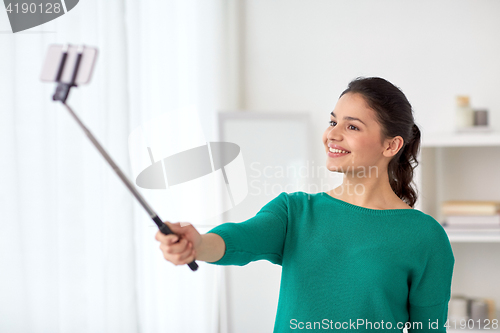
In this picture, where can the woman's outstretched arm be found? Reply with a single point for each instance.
(261, 237)
(212, 248)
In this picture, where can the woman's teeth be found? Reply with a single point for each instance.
(338, 151)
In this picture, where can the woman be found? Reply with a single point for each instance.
(356, 257)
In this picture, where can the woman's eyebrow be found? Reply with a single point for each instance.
(349, 118)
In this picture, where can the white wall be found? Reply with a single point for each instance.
(299, 55)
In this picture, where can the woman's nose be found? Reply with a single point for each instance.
(334, 133)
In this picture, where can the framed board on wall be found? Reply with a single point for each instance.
(274, 146)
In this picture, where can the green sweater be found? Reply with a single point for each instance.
(346, 266)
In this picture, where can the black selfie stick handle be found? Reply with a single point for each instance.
(166, 231)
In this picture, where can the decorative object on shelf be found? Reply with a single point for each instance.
(457, 308)
(479, 310)
(471, 215)
(491, 308)
(464, 113)
(480, 117)
(462, 307)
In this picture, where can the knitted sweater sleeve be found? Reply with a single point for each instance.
(430, 288)
(260, 237)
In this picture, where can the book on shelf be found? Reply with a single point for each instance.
(471, 223)
(473, 208)
(479, 220)
(462, 226)
(470, 229)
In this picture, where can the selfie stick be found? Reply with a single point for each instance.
(61, 94)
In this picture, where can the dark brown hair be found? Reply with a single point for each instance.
(395, 116)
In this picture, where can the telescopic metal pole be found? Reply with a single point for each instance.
(61, 94)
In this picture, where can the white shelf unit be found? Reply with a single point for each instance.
(459, 166)
(473, 236)
(463, 139)
(464, 166)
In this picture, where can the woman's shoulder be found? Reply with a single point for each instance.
(427, 227)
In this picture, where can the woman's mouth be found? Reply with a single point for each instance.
(337, 152)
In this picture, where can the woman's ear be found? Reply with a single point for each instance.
(392, 146)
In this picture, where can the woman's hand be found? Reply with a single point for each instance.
(179, 248)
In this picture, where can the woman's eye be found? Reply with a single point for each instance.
(332, 121)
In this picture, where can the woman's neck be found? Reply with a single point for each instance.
(373, 192)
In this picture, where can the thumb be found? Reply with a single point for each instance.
(176, 227)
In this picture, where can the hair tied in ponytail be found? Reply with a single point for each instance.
(415, 130)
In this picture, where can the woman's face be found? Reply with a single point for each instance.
(360, 137)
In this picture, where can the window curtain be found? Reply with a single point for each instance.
(77, 252)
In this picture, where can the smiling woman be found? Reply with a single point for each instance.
(373, 123)
(364, 260)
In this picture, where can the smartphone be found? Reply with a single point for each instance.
(55, 56)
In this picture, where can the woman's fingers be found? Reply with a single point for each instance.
(184, 257)
(178, 247)
(190, 258)
(178, 258)
(178, 253)
(174, 248)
